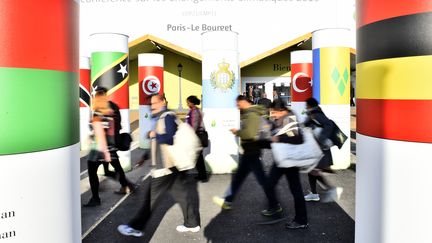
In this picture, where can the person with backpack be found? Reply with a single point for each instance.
(103, 149)
(117, 127)
(195, 119)
(317, 119)
(283, 117)
(249, 133)
(165, 177)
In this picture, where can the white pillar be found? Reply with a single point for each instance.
(394, 117)
(331, 84)
(221, 81)
(110, 69)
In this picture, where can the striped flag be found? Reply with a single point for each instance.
(394, 117)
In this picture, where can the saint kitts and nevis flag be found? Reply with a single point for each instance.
(110, 70)
(84, 74)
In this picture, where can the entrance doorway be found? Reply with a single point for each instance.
(254, 91)
(253, 87)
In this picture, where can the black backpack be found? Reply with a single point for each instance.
(122, 140)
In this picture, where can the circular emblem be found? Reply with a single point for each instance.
(151, 85)
(294, 82)
(222, 79)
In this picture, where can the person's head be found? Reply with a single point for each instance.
(263, 95)
(311, 103)
(278, 109)
(101, 90)
(192, 101)
(158, 103)
(100, 102)
(243, 102)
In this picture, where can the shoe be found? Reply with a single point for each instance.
(182, 228)
(295, 225)
(332, 194)
(312, 197)
(272, 211)
(339, 191)
(123, 190)
(129, 231)
(93, 202)
(222, 203)
(126, 189)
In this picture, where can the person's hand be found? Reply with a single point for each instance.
(233, 130)
(152, 134)
(275, 139)
(107, 156)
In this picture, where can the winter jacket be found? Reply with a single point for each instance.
(317, 118)
(166, 127)
(250, 121)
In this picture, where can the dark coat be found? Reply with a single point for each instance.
(317, 118)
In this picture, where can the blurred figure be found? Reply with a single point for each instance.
(195, 119)
(103, 148)
(256, 94)
(264, 101)
(117, 127)
(352, 97)
(317, 118)
(250, 117)
(282, 117)
(165, 177)
(275, 95)
(250, 92)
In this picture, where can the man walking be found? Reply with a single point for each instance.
(165, 177)
(250, 161)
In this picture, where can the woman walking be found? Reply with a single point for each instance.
(103, 148)
(283, 117)
(195, 119)
(317, 119)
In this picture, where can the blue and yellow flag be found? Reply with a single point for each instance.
(331, 82)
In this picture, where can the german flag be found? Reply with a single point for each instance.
(394, 77)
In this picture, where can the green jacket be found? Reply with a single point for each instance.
(250, 120)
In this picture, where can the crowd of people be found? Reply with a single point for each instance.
(167, 178)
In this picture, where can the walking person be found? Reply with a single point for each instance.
(250, 160)
(256, 94)
(282, 117)
(117, 127)
(165, 177)
(103, 148)
(195, 120)
(317, 119)
(264, 101)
